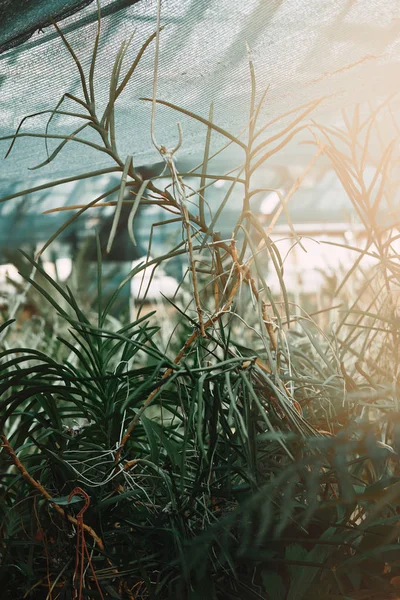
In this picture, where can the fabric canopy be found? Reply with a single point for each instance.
(347, 50)
(20, 20)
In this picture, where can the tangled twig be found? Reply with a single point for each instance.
(10, 451)
(81, 548)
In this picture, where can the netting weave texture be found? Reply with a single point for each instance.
(348, 50)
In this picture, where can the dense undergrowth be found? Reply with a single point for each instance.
(257, 455)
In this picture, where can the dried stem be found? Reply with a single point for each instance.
(177, 360)
(37, 485)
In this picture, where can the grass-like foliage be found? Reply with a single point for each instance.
(213, 495)
(260, 458)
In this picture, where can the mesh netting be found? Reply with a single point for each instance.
(302, 49)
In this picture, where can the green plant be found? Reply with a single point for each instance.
(222, 470)
(213, 495)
